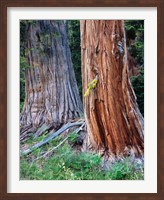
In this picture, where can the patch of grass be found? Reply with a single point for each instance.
(67, 164)
(125, 170)
(73, 137)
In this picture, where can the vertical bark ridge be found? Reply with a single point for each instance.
(51, 90)
(114, 122)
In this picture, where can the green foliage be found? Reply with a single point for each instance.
(137, 51)
(73, 137)
(24, 24)
(67, 164)
(138, 86)
(74, 43)
(23, 61)
(21, 106)
(130, 32)
(23, 66)
(22, 34)
(125, 170)
(135, 31)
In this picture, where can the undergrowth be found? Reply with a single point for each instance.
(67, 164)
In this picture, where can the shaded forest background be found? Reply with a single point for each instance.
(64, 157)
(135, 44)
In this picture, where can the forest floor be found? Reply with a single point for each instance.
(66, 162)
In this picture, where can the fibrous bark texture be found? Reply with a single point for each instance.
(52, 96)
(114, 122)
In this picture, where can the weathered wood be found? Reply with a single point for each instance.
(53, 135)
(49, 153)
(115, 126)
(42, 129)
(52, 96)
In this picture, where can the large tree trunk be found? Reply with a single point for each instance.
(114, 122)
(52, 96)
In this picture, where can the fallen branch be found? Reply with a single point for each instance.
(80, 128)
(48, 153)
(51, 151)
(53, 135)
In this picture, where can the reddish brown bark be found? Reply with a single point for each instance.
(52, 97)
(114, 122)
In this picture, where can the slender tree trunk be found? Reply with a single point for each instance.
(52, 96)
(114, 122)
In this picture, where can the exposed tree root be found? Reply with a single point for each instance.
(25, 133)
(42, 129)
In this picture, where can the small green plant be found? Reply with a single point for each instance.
(125, 170)
(66, 164)
(21, 106)
(73, 137)
(138, 86)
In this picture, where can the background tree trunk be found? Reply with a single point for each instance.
(114, 122)
(52, 96)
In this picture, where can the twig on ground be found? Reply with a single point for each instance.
(46, 140)
(51, 151)
(80, 128)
